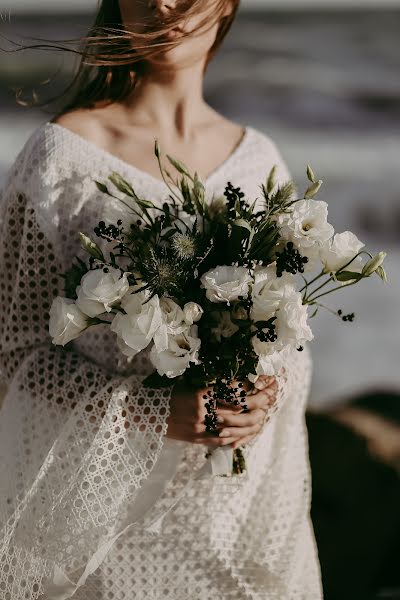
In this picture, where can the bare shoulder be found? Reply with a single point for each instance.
(85, 123)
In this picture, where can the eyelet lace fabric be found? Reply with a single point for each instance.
(82, 442)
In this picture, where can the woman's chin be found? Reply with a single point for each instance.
(178, 57)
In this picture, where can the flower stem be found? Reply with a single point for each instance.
(339, 287)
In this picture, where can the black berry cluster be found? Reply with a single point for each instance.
(222, 390)
(290, 260)
(232, 194)
(267, 334)
(349, 317)
(108, 232)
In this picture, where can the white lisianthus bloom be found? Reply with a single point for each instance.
(291, 319)
(136, 329)
(173, 322)
(99, 291)
(226, 283)
(339, 250)
(270, 364)
(67, 321)
(225, 328)
(192, 312)
(267, 291)
(265, 278)
(182, 350)
(306, 224)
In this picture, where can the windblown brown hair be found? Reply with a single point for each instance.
(112, 59)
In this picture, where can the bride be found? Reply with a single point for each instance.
(101, 496)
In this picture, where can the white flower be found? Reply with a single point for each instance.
(267, 291)
(192, 312)
(99, 291)
(173, 322)
(306, 224)
(291, 318)
(136, 329)
(226, 283)
(271, 364)
(181, 351)
(67, 321)
(339, 250)
(225, 327)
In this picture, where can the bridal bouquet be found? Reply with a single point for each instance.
(216, 291)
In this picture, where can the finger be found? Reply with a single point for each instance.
(214, 441)
(242, 420)
(264, 399)
(240, 432)
(243, 441)
(230, 407)
(265, 381)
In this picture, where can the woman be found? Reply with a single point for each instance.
(101, 494)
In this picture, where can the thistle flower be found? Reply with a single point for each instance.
(162, 273)
(184, 245)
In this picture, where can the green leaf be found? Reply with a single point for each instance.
(347, 275)
(243, 223)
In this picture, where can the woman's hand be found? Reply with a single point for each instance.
(246, 425)
(187, 415)
(186, 420)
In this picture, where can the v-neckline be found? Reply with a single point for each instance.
(145, 174)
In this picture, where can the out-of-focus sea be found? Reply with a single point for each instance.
(326, 87)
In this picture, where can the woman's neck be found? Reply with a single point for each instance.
(172, 102)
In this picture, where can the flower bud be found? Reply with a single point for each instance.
(271, 179)
(313, 189)
(90, 247)
(372, 265)
(310, 174)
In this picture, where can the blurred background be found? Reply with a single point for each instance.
(322, 79)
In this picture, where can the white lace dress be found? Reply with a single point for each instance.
(82, 446)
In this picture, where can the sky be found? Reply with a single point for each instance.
(10, 6)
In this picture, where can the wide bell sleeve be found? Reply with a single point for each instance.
(77, 442)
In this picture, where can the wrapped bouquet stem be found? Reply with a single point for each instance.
(216, 291)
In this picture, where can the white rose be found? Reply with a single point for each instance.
(99, 291)
(226, 283)
(67, 321)
(192, 312)
(182, 350)
(339, 250)
(306, 224)
(225, 327)
(136, 329)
